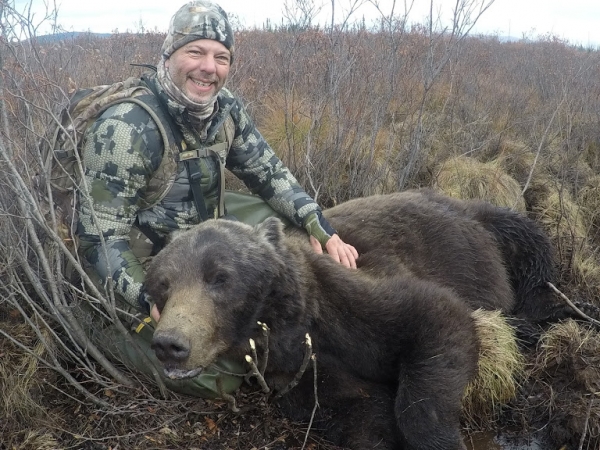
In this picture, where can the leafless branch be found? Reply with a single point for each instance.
(265, 359)
(313, 358)
(230, 399)
(579, 312)
(259, 377)
(307, 357)
(587, 421)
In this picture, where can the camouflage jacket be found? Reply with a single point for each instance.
(121, 151)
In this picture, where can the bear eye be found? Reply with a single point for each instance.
(216, 279)
(159, 293)
(162, 288)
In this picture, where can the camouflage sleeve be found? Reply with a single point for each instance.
(120, 152)
(255, 163)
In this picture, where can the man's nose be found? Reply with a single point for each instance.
(208, 64)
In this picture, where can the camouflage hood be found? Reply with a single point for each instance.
(195, 20)
(200, 19)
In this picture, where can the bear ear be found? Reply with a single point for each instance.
(272, 230)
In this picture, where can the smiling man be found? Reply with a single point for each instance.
(200, 68)
(151, 170)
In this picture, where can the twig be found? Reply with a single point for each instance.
(265, 331)
(231, 374)
(230, 399)
(59, 369)
(257, 374)
(307, 356)
(585, 427)
(253, 350)
(313, 358)
(579, 312)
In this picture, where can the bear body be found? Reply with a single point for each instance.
(394, 340)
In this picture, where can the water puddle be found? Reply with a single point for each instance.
(491, 441)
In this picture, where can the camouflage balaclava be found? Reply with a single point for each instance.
(199, 19)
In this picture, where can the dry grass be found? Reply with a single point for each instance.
(466, 178)
(518, 160)
(573, 347)
(21, 377)
(501, 368)
(38, 440)
(23, 383)
(565, 380)
(589, 199)
(566, 222)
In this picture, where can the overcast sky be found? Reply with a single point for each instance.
(577, 21)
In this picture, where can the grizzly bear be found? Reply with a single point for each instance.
(394, 340)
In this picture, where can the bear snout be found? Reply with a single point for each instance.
(170, 347)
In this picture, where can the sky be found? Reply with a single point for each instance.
(577, 21)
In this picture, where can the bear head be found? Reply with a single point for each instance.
(210, 284)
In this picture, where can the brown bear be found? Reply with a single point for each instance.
(394, 340)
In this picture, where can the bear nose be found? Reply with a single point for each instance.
(170, 347)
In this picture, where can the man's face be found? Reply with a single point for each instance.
(199, 69)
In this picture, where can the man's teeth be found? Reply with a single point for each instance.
(199, 83)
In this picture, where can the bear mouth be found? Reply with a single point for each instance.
(182, 374)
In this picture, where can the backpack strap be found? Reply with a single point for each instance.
(163, 178)
(225, 135)
(194, 171)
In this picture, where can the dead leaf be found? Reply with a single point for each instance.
(167, 431)
(109, 393)
(211, 425)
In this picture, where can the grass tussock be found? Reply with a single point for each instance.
(500, 370)
(565, 380)
(566, 223)
(518, 160)
(467, 178)
(572, 347)
(589, 199)
(21, 375)
(38, 440)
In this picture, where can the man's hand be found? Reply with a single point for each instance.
(338, 250)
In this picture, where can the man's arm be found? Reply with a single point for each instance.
(121, 151)
(255, 163)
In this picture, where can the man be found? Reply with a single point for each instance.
(123, 149)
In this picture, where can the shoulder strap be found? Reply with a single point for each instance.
(162, 179)
(227, 134)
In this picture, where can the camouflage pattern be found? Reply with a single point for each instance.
(121, 151)
(195, 20)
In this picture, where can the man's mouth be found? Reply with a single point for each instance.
(181, 374)
(203, 84)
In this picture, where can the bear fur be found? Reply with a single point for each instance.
(395, 342)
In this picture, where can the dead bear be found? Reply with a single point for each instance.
(394, 340)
